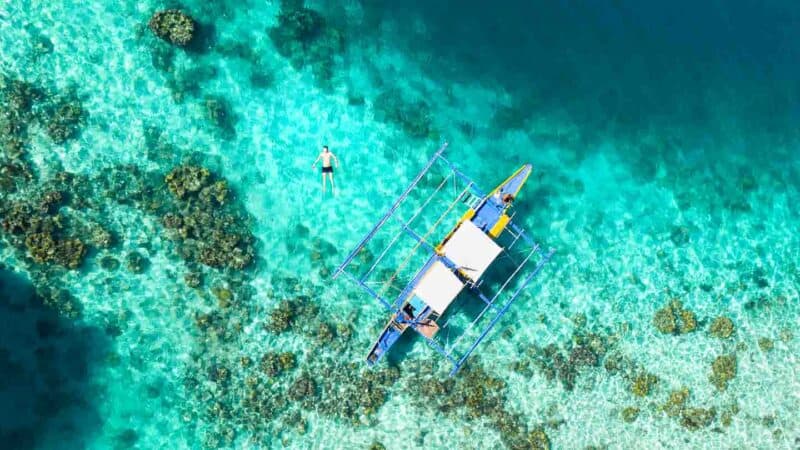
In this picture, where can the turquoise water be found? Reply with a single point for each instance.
(667, 167)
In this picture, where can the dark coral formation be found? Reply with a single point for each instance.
(220, 113)
(63, 120)
(584, 351)
(413, 117)
(303, 389)
(17, 101)
(23, 104)
(674, 319)
(723, 370)
(630, 414)
(304, 37)
(676, 402)
(476, 395)
(42, 232)
(766, 344)
(173, 26)
(696, 418)
(183, 180)
(643, 384)
(208, 230)
(691, 418)
(273, 364)
(722, 327)
(136, 262)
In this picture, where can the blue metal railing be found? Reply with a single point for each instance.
(502, 312)
(451, 354)
(389, 213)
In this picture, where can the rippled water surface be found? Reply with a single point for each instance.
(166, 250)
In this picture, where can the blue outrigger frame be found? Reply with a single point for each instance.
(395, 306)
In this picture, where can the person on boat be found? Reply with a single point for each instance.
(505, 198)
(326, 155)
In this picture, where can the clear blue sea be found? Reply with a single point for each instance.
(166, 250)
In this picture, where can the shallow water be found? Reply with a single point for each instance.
(667, 167)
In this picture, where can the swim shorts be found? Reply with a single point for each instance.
(328, 169)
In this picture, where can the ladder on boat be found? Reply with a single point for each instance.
(470, 199)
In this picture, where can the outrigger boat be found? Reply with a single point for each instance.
(456, 264)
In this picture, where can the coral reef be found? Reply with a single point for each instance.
(109, 263)
(63, 120)
(723, 370)
(41, 231)
(414, 118)
(765, 344)
(728, 413)
(173, 26)
(475, 395)
(183, 180)
(135, 262)
(585, 350)
(696, 418)
(209, 233)
(676, 402)
(722, 327)
(17, 99)
(220, 113)
(674, 319)
(274, 364)
(303, 388)
(643, 384)
(630, 414)
(304, 37)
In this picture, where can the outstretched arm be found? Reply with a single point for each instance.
(315, 161)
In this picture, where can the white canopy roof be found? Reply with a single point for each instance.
(471, 249)
(438, 287)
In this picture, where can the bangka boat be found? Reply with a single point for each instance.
(455, 265)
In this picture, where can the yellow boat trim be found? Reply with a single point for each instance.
(512, 176)
(499, 226)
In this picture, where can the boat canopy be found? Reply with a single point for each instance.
(438, 287)
(413, 254)
(471, 250)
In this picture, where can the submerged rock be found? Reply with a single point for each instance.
(173, 26)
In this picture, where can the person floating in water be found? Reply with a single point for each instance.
(326, 156)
